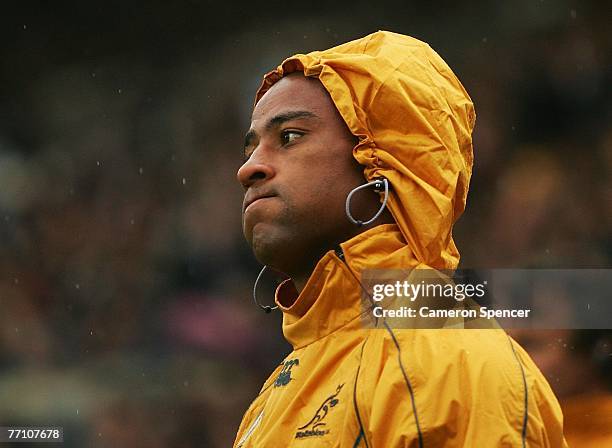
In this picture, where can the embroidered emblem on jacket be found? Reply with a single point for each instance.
(316, 425)
(285, 374)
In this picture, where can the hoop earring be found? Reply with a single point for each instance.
(267, 308)
(378, 185)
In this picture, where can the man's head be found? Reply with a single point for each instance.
(298, 171)
(413, 120)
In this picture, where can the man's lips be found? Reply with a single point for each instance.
(250, 198)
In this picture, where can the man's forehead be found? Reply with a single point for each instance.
(293, 92)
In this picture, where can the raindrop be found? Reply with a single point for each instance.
(119, 91)
(184, 181)
(98, 162)
(140, 170)
(77, 286)
(485, 40)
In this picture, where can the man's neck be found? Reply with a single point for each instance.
(300, 282)
(301, 278)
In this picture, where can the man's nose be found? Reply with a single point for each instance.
(253, 170)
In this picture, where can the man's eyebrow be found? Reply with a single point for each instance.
(288, 116)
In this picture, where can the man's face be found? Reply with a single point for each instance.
(298, 172)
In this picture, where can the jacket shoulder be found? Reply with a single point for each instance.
(453, 386)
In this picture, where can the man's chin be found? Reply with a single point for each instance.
(269, 246)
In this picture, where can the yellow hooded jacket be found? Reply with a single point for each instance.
(347, 386)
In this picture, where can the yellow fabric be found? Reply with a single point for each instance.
(347, 386)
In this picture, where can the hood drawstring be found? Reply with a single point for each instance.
(267, 308)
(378, 184)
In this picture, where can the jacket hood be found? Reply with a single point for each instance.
(414, 121)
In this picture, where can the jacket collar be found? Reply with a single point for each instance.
(332, 295)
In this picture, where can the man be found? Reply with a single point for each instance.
(383, 109)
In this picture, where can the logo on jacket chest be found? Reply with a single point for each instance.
(284, 377)
(317, 426)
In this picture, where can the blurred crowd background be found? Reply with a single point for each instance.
(125, 284)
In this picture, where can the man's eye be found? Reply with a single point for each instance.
(290, 136)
